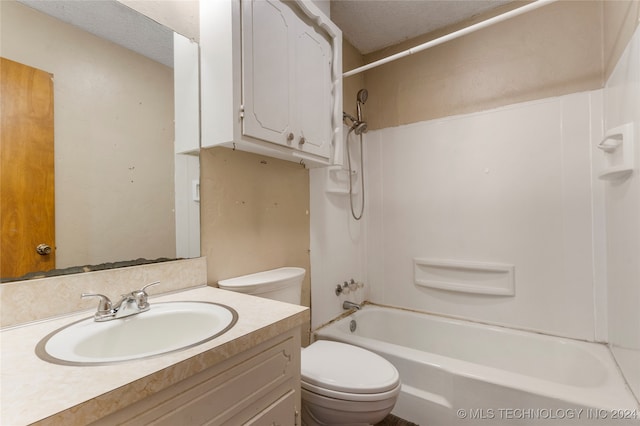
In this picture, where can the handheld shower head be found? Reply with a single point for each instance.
(362, 96)
(358, 125)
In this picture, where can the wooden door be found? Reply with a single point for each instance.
(26, 169)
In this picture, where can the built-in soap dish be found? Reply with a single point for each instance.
(337, 180)
(617, 146)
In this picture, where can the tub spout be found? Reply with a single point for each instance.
(350, 305)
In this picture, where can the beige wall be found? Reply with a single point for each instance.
(254, 214)
(620, 19)
(351, 59)
(563, 48)
(113, 139)
(548, 52)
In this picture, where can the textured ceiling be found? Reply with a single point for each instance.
(370, 25)
(115, 22)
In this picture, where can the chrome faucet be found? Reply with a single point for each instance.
(129, 304)
(350, 305)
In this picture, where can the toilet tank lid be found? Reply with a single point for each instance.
(274, 278)
(347, 368)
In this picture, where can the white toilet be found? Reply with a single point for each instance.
(341, 384)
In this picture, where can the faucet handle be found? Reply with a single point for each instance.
(141, 296)
(104, 306)
(149, 285)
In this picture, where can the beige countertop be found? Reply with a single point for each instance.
(35, 391)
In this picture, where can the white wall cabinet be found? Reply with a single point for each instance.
(260, 386)
(286, 77)
(271, 79)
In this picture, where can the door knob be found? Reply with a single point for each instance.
(43, 249)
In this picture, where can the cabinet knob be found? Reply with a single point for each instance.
(301, 141)
(289, 137)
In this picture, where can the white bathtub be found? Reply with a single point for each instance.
(457, 372)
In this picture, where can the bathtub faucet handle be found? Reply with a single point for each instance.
(353, 285)
(344, 288)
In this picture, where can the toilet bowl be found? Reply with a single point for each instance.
(346, 385)
(341, 384)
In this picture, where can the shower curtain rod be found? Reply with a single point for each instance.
(475, 27)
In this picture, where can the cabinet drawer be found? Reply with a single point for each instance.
(237, 390)
(280, 413)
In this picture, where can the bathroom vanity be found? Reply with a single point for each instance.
(248, 375)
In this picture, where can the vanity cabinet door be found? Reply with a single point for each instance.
(267, 44)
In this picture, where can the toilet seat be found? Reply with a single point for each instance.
(354, 397)
(347, 372)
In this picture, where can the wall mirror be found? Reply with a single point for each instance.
(114, 126)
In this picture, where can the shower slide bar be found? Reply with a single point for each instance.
(475, 27)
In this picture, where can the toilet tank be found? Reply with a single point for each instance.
(282, 284)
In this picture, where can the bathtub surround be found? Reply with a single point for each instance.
(622, 223)
(337, 251)
(511, 185)
(506, 186)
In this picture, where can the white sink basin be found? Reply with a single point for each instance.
(166, 327)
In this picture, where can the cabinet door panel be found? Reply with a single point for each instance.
(267, 69)
(313, 107)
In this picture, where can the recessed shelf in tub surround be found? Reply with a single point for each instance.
(80, 395)
(496, 279)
